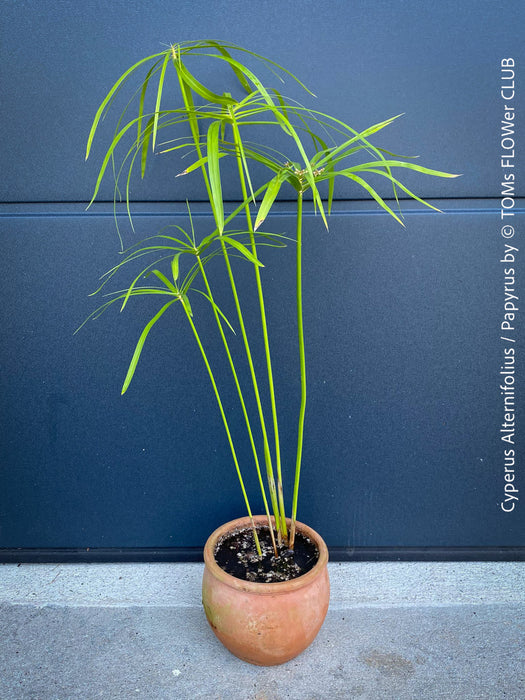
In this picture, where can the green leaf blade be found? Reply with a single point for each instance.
(140, 345)
(175, 267)
(215, 174)
(374, 194)
(269, 198)
(242, 249)
(159, 97)
(110, 95)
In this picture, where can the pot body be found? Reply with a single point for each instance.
(265, 623)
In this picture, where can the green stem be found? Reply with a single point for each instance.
(302, 363)
(267, 456)
(190, 109)
(280, 515)
(226, 427)
(243, 404)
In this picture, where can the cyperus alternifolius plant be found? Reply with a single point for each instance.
(210, 128)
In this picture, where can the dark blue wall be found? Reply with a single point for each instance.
(403, 445)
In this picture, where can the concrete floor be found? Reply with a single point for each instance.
(394, 630)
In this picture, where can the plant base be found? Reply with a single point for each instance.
(237, 555)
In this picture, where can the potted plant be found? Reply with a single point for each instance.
(265, 586)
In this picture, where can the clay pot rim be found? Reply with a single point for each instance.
(253, 586)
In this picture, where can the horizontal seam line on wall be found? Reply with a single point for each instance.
(474, 198)
(194, 554)
(181, 214)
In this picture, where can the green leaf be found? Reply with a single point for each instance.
(269, 197)
(134, 255)
(175, 267)
(186, 143)
(330, 153)
(199, 88)
(131, 289)
(143, 96)
(166, 281)
(240, 150)
(107, 158)
(145, 145)
(244, 70)
(217, 309)
(215, 174)
(198, 164)
(242, 249)
(159, 96)
(187, 305)
(110, 94)
(373, 193)
(240, 77)
(399, 164)
(140, 345)
(405, 189)
(275, 165)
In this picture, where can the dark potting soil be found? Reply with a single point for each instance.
(237, 555)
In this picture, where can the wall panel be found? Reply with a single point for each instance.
(403, 450)
(402, 447)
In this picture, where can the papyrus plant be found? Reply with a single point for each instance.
(218, 126)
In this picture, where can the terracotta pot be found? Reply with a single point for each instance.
(265, 623)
